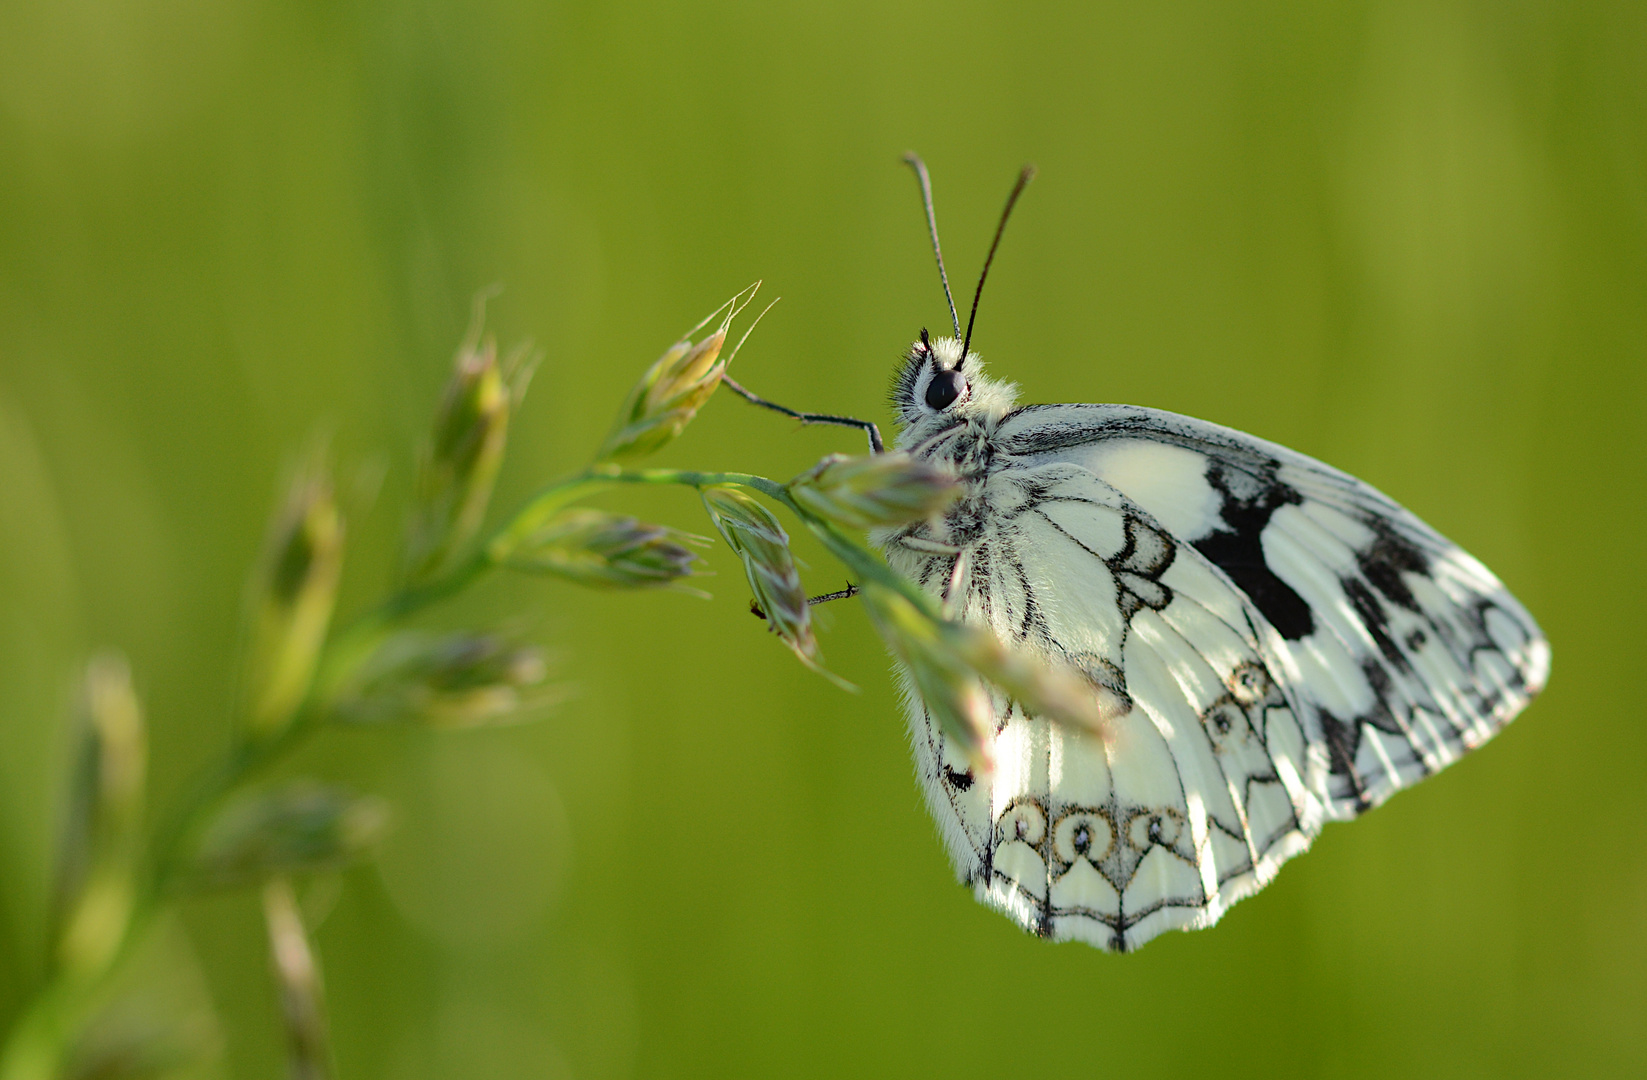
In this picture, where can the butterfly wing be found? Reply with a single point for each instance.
(1195, 793)
(1401, 650)
(1291, 647)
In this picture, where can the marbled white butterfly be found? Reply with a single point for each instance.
(1280, 644)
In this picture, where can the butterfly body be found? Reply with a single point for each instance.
(1278, 645)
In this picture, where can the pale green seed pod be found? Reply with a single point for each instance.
(605, 550)
(760, 542)
(1040, 686)
(299, 827)
(950, 663)
(293, 603)
(455, 680)
(666, 399)
(101, 842)
(874, 491)
(460, 461)
(951, 689)
(674, 388)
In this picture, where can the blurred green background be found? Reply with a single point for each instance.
(1408, 238)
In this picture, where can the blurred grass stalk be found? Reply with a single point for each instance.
(101, 841)
(294, 602)
(303, 674)
(297, 979)
(460, 462)
(98, 858)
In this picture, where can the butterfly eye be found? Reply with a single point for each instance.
(944, 388)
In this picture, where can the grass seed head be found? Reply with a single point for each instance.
(293, 604)
(301, 826)
(605, 550)
(460, 461)
(760, 542)
(666, 399)
(673, 389)
(875, 490)
(951, 663)
(948, 684)
(458, 680)
(100, 842)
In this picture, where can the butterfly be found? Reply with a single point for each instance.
(1279, 644)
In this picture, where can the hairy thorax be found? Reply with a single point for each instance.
(927, 551)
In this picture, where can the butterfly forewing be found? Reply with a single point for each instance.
(1403, 651)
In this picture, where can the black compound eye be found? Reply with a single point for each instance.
(944, 388)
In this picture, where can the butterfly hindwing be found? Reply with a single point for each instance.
(1192, 797)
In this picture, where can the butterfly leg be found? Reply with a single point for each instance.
(868, 427)
(847, 593)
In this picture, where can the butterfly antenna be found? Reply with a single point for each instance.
(1012, 200)
(913, 160)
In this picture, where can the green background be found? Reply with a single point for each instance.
(1407, 238)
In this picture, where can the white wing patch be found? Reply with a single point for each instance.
(1294, 647)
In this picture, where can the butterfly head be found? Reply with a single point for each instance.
(936, 388)
(942, 382)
